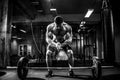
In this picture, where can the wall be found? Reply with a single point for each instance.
(116, 17)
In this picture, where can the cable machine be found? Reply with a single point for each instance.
(87, 42)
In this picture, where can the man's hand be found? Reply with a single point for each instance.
(58, 45)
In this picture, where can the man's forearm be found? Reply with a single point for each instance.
(51, 42)
(67, 42)
(68, 38)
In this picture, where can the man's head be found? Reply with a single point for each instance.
(58, 20)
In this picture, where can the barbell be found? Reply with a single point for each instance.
(22, 68)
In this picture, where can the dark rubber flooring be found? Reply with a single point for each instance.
(81, 74)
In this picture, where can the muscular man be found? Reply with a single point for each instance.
(59, 38)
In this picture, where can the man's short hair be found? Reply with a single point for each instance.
(58, 19)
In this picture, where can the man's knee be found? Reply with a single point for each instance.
(70, 53)
(49, 53)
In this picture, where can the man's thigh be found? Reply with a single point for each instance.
(52, 50)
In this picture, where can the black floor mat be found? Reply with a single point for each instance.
(2, 73)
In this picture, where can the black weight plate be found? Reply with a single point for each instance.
(22, 71)
(97, 70)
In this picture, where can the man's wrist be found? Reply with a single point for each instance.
(66, 42)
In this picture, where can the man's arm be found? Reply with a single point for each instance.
(68, 36)
(50, 37)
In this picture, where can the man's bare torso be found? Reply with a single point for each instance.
(59, 32)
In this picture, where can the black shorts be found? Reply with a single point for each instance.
(54, 49)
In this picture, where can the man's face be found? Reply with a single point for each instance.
(58, 21)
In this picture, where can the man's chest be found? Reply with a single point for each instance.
(59, 31)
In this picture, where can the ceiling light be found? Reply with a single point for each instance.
(83, 22)
(53, 9)
(89, 12)
(14, 36)
(13, 26)
(40, 10)
(37, 3)
(23, 31)
(19, 38)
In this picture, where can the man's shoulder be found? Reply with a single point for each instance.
(50, 26)
(67, 26)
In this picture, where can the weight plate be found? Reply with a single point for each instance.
(97, 70)
(22, 71)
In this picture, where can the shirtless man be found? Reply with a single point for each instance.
(59, 37)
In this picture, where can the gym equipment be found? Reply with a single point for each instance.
(22, 70)
(96, 69)
(89, 46)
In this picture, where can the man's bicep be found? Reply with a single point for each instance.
(68, 37)
(70, 33)
(48, 34)
(47, 38)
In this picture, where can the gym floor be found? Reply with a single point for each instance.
(81, 74)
